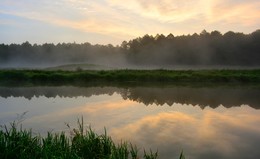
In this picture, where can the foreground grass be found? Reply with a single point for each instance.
(72, 77)
(19, 143)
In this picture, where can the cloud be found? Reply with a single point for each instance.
(124, 20)
(80, 15)
(206, 11)
(163, 11)
(244, 13)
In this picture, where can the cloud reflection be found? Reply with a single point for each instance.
(101, 112)
(229, 134)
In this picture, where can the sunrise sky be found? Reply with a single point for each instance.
(112, 21)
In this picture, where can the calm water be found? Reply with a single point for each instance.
(219, 122)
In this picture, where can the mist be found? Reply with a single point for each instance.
(198, 51)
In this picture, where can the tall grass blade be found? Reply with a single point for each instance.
(19, 143)
(182, 155)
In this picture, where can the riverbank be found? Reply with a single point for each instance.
(39, 77)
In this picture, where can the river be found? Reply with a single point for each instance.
(205, 122)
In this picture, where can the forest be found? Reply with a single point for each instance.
(207, 49)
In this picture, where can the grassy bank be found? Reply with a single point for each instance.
(73, 77)
(19, 143)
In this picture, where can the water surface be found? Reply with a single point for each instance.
(214, 122)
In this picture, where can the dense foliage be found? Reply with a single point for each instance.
(204, 49)
(83, 77)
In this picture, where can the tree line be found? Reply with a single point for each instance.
(204, 49)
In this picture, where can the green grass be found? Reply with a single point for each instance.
(88, 76)
(82, 66)
(83, 143)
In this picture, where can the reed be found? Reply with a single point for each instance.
(82, 143)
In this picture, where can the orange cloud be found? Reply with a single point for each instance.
(164, 11)
(205, 11)
(241, 13)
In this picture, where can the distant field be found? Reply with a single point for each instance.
(89, 66)
(90, 76)
(76, 67)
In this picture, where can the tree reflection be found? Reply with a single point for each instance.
(202, 96)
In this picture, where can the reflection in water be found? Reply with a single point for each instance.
(211, 135)
(212, 97)
(223, 132)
